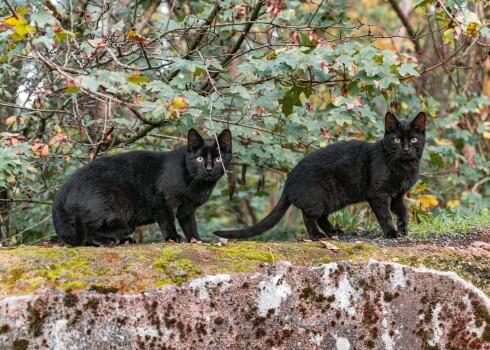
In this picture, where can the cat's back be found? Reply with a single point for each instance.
(123, 170)
(343, 154)
(331, 177)
(121, 165)
(339, 169)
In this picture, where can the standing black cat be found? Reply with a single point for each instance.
(103, 202)
(352, 172)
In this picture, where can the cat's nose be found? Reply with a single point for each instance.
(209, 168)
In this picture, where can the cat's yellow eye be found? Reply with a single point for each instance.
(414, 139)
(397, 140)
(200, 159)
(217, 159)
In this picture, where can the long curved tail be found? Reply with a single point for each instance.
(72, 234)
(267, 223)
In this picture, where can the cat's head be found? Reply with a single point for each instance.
(404, 140)
(204, 160)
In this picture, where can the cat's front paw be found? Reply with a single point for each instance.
(402, 231)
(173, 239)
(127, 240)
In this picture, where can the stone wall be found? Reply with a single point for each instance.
(340, 306)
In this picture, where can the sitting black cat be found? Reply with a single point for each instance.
(351, 172)
(103, 202)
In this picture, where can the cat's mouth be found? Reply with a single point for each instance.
(208, 177)
(408, 157)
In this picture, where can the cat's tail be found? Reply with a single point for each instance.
(267, 223)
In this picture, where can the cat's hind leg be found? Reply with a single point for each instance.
(328, 228)
(312, 227)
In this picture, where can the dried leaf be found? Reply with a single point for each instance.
(329, 245)
(97, 43)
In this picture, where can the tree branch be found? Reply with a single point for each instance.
(196, 42)
(11, 9)
(230, 56)
(406, 23)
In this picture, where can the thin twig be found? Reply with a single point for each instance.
(11, 9)
(447, 171)
(12, 200)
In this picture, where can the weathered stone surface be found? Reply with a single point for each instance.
(333, 306)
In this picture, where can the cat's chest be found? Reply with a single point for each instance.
(402, 181)
(197, 196)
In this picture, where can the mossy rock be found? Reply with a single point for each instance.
(140, 267)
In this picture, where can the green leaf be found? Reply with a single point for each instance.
(485, 31)
(436, 159)
(23, 10)
(408, 68)
(304, 40)
(292, 98)
(90, 83)
(387, 81)
(41, 17)
(119, 26)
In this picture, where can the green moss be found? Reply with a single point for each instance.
(67, 269)
(323, 260)
(248, 251)
(162, 283)
(135, 268)
(74, 285)
(35, 282)
(16, 274)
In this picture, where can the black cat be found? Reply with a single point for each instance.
(103, 202)
(351, 172)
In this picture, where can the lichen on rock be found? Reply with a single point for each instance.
(334, 306)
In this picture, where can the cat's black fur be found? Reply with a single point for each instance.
(103, 202)
(351, 172)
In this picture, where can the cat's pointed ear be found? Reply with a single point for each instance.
(418, 123)
(224, 140)
(194, 140)
(391, 123)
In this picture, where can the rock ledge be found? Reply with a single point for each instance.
(340, 306)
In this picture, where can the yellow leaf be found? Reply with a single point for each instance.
(11, 120)
(419, 187)
(63, 35)
(21, 26)
(426, 201)
(323, 144)
(454, 203)
(178, 103)
(471, 29)
(135, 79)
(13, 21)
(441, 142)
(448, 37)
